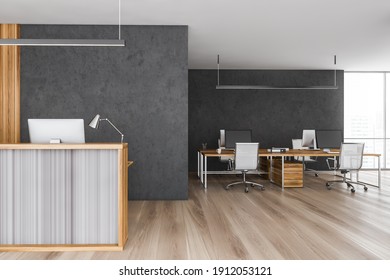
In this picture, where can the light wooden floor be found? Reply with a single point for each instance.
(307, 223)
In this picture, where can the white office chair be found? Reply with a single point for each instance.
(351, 159)
(297, 145)
(221, 144)
(246, 158)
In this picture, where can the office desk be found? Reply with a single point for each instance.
(203, 155)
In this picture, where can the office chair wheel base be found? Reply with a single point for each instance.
(365, 188)
(328, 187)
(246, 189)
(352, 190)
(226, 188)
(327, 184)
(316, 174)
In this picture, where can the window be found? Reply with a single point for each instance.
(366, 103)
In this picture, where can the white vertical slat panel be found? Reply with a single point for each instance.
(6, 195)
(42, 209)
(108, 197)
(44, 168)
(68, 198)
(39, 200)
(17, 203)
(95, 183)
(57, 162)
(58, 197)
(113, 206)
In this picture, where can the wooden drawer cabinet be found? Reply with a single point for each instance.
(293, 173)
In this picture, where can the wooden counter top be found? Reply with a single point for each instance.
(86, 146)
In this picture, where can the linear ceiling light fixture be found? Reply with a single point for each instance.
(334, 86)
(69, 42)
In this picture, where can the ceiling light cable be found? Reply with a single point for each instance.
(119, 25)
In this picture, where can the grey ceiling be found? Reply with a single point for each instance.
(248, 34)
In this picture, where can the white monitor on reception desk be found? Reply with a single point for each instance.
(44, 131)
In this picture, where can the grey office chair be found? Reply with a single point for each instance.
(246, 157)
(297, 145)
(221, 144)
(351, 159)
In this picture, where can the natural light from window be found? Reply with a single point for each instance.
(365, 115)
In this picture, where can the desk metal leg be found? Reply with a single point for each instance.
(303, 174)
(205, 172)
(201, 168)
(271, 170)
(282, 173)
(379, 172)
(198, 164)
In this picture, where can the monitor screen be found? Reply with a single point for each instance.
(329, 139)
(309, 138)
(65, 130)
(222, 138)
(237, 136)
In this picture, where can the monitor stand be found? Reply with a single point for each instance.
(55, 141)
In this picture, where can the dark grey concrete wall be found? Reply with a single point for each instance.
(275, 116)
(142, 88)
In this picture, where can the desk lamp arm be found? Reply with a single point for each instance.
(107, 120)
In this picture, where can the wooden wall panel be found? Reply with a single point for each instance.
(9, 86)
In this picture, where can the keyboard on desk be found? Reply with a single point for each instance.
(328, 151)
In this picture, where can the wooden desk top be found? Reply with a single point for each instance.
(86, 146)
(291, 152)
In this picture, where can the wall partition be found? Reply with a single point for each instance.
(142, 88)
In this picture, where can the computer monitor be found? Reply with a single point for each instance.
(309, 139)
(222, 138)
(329, 139)
(237, 136)
(64, 130)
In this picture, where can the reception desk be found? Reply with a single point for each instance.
(63, 197)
